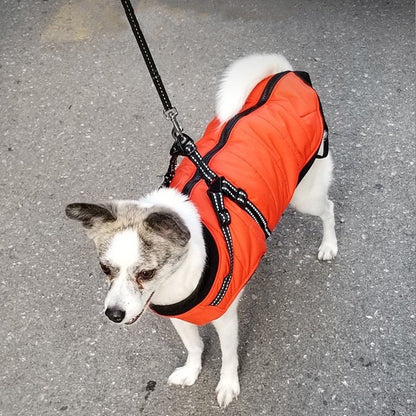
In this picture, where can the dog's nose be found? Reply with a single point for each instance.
(116, 315)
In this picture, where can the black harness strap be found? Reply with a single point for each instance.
(224, 218)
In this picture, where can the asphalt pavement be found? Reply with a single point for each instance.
(81, 121)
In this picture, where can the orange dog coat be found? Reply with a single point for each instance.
(265, 150)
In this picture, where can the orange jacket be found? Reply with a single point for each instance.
(278, 131)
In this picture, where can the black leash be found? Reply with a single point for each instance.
(170, 112)
(181, 140)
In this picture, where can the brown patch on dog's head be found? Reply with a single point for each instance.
(91, 214)
(169, 226)
(94, 217)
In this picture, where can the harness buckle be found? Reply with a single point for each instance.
(216, 186)
(183, 145)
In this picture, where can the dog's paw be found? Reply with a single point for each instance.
(227, 390)
(184, 376)
(327, 251)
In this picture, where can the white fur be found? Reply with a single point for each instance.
(311, 197)
(241, 77)
(187, 374)
(124, 249)
(228, 387)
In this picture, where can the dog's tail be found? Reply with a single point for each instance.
(241, 77)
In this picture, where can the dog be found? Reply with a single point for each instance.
(154, 250)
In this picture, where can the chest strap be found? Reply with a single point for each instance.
(185, 146)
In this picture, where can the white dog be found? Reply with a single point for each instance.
(156, 248)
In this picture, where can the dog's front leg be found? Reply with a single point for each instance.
(187, 375)
(228, 387)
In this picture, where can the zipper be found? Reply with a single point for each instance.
(225, 134)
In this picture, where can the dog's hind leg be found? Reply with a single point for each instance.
(228, 387)
(311, 197)
(189, 333)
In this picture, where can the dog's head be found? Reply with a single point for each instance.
(138, 249)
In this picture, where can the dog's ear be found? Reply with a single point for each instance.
(168, 225)
(91, 214)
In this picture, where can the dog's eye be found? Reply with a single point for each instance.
(145, 274)
(105, 269)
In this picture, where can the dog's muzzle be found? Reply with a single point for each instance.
(117, 315)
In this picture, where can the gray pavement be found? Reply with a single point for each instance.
(80, 120)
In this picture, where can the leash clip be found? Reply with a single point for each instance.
(171, 115)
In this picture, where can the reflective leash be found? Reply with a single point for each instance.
(170, 111)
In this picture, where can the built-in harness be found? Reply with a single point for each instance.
(218, 186)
